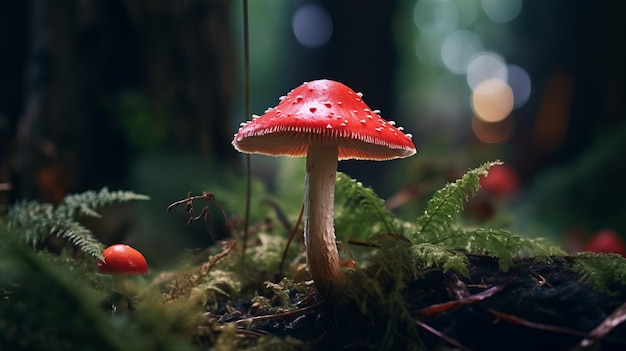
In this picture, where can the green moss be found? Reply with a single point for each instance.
(601, 271)
(57, 301)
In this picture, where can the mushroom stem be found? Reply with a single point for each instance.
(120, 289)
(319, 232)
(118, 283)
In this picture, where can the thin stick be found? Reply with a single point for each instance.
(280, 315)
(292, 234)
(246, 65)
(442, 336)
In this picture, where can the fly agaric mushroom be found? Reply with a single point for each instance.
(325, 121)
(121, 260)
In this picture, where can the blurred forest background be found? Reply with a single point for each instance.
(146, 96)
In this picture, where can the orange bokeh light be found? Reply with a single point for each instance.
(492, 100)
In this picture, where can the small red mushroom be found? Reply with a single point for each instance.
(121, 260)
(606, 241)
(325, 121)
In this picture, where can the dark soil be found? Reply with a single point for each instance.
(533, 306)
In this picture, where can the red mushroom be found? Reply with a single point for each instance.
(325, 121)
(121, 260)
(501, 182)
(606, 241)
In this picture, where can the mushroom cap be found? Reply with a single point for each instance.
(323, 113)
(122, 259)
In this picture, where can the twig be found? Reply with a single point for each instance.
(598, 333)
(442, 336)
(541, 326)
(205, 213)
(446, 306)
(246, 65)
(279, 315)
(292, 234)
(282, 218)
(182, 285)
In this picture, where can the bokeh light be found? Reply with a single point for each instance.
(486, 65)
(468, 12)
(436, 16)
(519, 80)
(493, 133)
(458, 48)
(312, 26)
(492, 100)
(502, 11)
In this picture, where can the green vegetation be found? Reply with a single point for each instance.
(51, 301)
(33, 222)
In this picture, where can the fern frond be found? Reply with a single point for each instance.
(86, 203)
(359, 211)
(437, 242)
(503, 245)
(32, 220)
(446, 204)
(79, 236)
(35, 221)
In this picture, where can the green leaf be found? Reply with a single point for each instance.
(446, 204)
(359, 212)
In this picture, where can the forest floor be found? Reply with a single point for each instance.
(535, 305)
